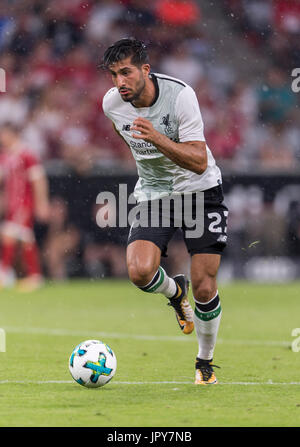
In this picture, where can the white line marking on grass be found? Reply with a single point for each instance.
(90, 334)
(220, 383)
(117, 335)
(34, 382)
(172, 382)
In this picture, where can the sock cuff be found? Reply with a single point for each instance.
(155, 282)
(210, 305)
(207, 316)
(208, 311)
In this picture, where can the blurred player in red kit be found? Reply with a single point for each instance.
(25, 197)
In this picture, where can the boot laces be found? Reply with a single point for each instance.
(206, 368)
(183, 308)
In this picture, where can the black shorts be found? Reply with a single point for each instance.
(207, 235)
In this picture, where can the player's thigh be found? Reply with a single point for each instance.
(6, 239)
(204, 270)
(143, 259)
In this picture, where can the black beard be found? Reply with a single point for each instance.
(135, 95)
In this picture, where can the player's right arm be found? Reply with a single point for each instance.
(108, 102)
(40, 191)
(106, 106)
(39, 183)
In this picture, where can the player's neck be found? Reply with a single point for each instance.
(15, 146)
(147, 96)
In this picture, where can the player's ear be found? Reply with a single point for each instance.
(146, 69)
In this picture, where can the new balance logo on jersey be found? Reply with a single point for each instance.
(126, 127)
(165, 121)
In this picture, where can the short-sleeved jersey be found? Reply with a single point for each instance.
(175, 113)
(18, 169)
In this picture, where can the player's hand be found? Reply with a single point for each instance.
(145, 129)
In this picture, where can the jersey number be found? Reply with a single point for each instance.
(214, 225)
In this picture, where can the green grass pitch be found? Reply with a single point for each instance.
(153, 387)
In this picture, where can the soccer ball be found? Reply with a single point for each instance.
(92, 364)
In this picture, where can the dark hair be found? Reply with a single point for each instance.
(12, 127)
(126, 48)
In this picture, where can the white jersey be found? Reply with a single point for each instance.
(175, 113)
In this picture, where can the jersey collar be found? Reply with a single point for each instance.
(154, 80)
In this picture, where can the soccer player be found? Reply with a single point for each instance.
(25, 192)
(159, 118)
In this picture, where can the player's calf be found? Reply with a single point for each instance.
(141, 274)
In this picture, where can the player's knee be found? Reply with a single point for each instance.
(204, 290)
(140, 275)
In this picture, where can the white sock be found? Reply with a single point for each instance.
(207, 319)
(161, 283)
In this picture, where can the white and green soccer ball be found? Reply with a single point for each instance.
(92, 363)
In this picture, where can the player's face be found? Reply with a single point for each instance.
(129, 79)
(6, 138)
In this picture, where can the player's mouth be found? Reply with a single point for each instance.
(124, 91)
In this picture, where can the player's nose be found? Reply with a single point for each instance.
(120, 81)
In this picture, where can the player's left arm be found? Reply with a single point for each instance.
(190, 153)
(40, 188)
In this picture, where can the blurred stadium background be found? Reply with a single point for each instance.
(238, 55)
